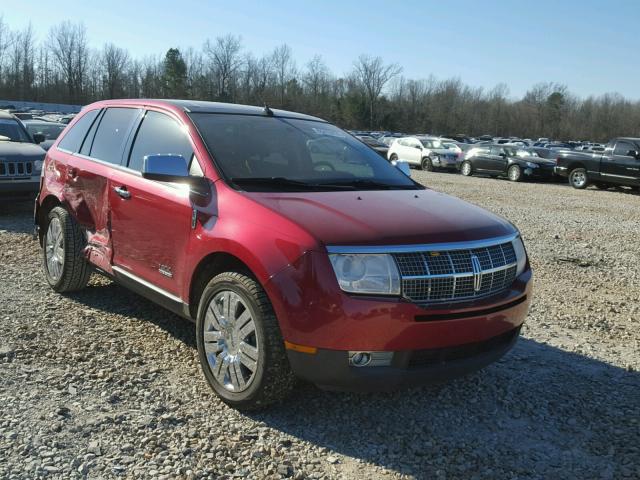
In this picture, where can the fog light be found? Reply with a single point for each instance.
(370, 359)
(360, 359)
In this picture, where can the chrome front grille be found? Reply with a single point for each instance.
(457, 274)
(16, 169)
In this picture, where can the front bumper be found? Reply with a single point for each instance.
(446, 162)
(330, 369)
(539, 172)
(20, 188)
(313, 312)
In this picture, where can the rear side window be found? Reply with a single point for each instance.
(159, 134)
(112, 134)
(74, 137)
(622, 148)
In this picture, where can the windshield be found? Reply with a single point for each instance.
(50, 132)
(13, 131)
(274, 153)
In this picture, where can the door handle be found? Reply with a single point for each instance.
(122, 191)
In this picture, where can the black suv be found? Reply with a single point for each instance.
(20, 158)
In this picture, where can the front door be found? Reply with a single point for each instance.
(497, 160)
(151, 220)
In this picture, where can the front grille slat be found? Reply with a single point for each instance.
(446, 276)
(16, 169)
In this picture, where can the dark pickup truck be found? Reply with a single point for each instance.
(618, 165)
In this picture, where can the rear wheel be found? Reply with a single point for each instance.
(514, 173)
(240, 347)
(65, 267)
(427, 164)
(578, 178)
(466, 169)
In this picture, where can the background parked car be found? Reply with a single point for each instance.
(426, 152)
(377, 145)
(506, 161)
(50, 131)
(20, 158)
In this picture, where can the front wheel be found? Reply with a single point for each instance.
(427, 164)
(514, 173)
(65, 267)
(240, 347)
(578, 178)
(466, 169)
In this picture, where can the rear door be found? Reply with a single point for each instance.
(151, 220)
(620, 167)
(89, 159)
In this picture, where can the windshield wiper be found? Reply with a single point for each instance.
(287, 182)
(358, 183)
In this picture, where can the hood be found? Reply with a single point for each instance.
(392, 217)
(537, 160)
(11, 151)
(444, 152)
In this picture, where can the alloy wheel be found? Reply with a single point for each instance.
(230, 341)
(466, 169)
(54, 249)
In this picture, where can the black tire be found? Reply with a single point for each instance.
(466, 168)
(75, 271)
(578, 178)
(514, 173)
(427, 164)
(273, 379)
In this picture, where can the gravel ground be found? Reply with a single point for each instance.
(103, 384)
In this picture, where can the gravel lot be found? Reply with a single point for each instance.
(104, 384)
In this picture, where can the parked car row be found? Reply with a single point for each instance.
(583, 163)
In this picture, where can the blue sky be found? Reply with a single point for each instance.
(591, 46)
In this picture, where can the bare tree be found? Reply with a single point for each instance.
(284, 67)
(373, 74)
(68, 44)
(226, 59)
(114, 62)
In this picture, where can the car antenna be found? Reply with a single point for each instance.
(267, 110)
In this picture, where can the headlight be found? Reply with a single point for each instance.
(364, 273)
(532, 165)
(521, 255)
(37, 165)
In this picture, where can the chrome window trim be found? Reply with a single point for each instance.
(149, 285)
(428, 247)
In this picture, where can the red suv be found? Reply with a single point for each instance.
(298, 251)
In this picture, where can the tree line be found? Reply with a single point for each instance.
(62, 68)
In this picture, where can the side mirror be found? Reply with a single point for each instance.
(634, 153)
(402, 166)
(173, 168)
(165, 168)
(503, 155)
(418, 147)
(38, 138)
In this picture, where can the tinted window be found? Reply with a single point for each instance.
(11, 129)
(111, 134)
(85, 148)
(73, 138)
(622, 148)
(159, 134)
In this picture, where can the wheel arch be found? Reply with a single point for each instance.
(210, 266)
(42, 211)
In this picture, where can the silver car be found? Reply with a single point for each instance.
(427, 153)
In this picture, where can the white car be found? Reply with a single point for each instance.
(427, 153)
